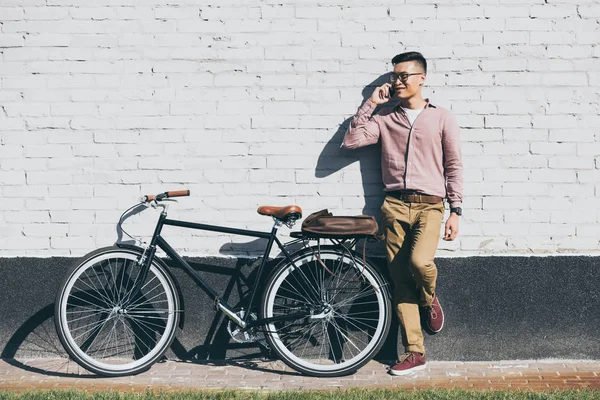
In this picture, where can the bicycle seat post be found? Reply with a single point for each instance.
(276, 225)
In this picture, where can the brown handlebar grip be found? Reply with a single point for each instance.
(178, 193)
(149, 197)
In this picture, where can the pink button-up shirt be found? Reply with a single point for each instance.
(425, 156)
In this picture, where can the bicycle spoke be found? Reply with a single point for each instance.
(153, 311)
(130, 292)
(130, 341)
(356, 326)
(310, 286)
(146, 302)
(93, 326)
(108, 337)
(103, 299)
(360, 312)
(322, 342)
(304, 302)
(337, 334)
(365, 302)
(141, 320)
(79, 318)
(345, 282)
(315, 280)
(93, 287)
(338, 329)
(329, 342)
(121, 284)
(103, 288)
(358, 295)
(147, 324)
(96, 331)
(286, 335)
(86, 301)
(293, 290)
(308, 341)
(85, 309)
(366, 319)
(143, 331)
(290, 345)
(114, 286)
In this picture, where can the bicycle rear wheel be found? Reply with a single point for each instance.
(104, 325)
(349, 311)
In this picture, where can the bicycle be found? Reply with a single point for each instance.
(324, 310)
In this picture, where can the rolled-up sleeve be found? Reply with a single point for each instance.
(364, 128)
(453, 167)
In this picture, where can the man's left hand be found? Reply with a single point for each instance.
(451, 231)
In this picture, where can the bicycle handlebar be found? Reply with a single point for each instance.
(161, 196)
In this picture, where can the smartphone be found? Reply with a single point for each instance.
(392, 91)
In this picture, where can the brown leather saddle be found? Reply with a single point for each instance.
(284, 213)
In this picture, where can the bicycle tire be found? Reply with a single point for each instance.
(364, 316)
(103, 325)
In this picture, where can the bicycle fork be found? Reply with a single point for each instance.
(147, 256)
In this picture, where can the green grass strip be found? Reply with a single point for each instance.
(350, 394)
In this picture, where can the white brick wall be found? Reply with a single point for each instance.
(241, 101)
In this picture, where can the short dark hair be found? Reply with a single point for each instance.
(411, 56)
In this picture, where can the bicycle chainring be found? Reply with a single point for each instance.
(241, 335)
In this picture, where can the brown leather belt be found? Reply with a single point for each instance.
(415, 197)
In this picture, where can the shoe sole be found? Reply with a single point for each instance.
(443, 322)
(407, 371)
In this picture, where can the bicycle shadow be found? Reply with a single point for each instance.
(34, 346)
(218, 348)
(240, 279)
(35, 337)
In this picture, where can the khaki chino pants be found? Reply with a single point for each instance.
(412, 237)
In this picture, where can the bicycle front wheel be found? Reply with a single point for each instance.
(105, 324)
(347, 311)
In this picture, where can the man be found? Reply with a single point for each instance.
(421, 165)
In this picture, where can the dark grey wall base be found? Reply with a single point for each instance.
(496, 308)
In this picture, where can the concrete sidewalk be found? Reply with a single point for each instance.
(274, 375)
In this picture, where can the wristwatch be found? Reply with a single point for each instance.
(456, 210)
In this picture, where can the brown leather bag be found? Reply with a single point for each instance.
(322, 224)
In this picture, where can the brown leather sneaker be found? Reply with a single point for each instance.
(408, 363)
(434, 316)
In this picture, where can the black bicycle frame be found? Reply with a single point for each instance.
(160, 242)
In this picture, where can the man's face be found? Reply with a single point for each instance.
(407, 79)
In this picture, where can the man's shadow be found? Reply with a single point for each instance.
(334, 158)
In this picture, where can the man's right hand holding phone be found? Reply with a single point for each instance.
(382, 94)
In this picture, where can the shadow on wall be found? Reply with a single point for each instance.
(334, 158)
(497, 308)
